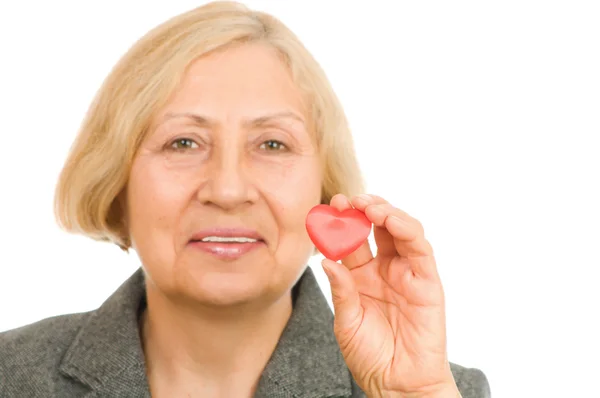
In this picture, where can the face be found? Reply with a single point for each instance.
(230, 156)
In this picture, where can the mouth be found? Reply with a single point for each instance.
(227, 239)
(227, 244)
(227, 235)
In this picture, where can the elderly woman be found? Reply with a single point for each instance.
(204, 151)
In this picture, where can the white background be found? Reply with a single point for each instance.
(480, 119)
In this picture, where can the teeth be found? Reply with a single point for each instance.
(231, 239)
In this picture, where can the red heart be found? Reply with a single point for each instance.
(337, 234)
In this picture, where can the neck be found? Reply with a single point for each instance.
(201, 350)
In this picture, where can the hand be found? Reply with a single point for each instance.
(389, 309)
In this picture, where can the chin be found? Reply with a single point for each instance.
(230, 283)
(253, 277)
(229, 290)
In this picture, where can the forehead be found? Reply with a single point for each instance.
(248, 79)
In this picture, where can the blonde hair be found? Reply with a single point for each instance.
(89, 192)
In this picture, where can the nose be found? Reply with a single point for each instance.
(228, 184)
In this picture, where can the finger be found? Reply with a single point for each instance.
(397, 233)
(340, 202)
(344, 295)
(410, 242)
(385, 244)
(403, 236)
(363, 254)
(360, 202)
(383, 240)
(406, 232)
(377, 210)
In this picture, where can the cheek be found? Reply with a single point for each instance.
(156, 196)
(293, 184)
(291, 189)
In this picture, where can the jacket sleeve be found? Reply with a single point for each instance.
(473, 383)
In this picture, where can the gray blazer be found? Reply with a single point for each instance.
(99, 353)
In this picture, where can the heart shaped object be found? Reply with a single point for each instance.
(337, 233)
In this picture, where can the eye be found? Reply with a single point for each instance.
(273, 145)
(181, 143)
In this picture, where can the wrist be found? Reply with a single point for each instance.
(446, 391)
(450, 391)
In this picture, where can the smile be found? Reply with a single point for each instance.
(229, 239)
(227, 248)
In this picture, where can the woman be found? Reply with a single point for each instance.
(204, 150)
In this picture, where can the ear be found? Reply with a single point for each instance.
(124, 215)
(122, 200)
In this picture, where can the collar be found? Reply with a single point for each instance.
(107, 354)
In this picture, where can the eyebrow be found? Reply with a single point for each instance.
(259, 121)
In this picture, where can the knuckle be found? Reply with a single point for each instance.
(388, 208)
(418, 226)
(378, 199)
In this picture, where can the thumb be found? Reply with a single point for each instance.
(345, 297)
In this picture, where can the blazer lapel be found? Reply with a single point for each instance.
(106, 354)
(307, 361)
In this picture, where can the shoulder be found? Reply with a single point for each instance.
(30, 355)
(41, 340)
(471, 382)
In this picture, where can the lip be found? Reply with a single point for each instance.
(227, 251)
(227, 232)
